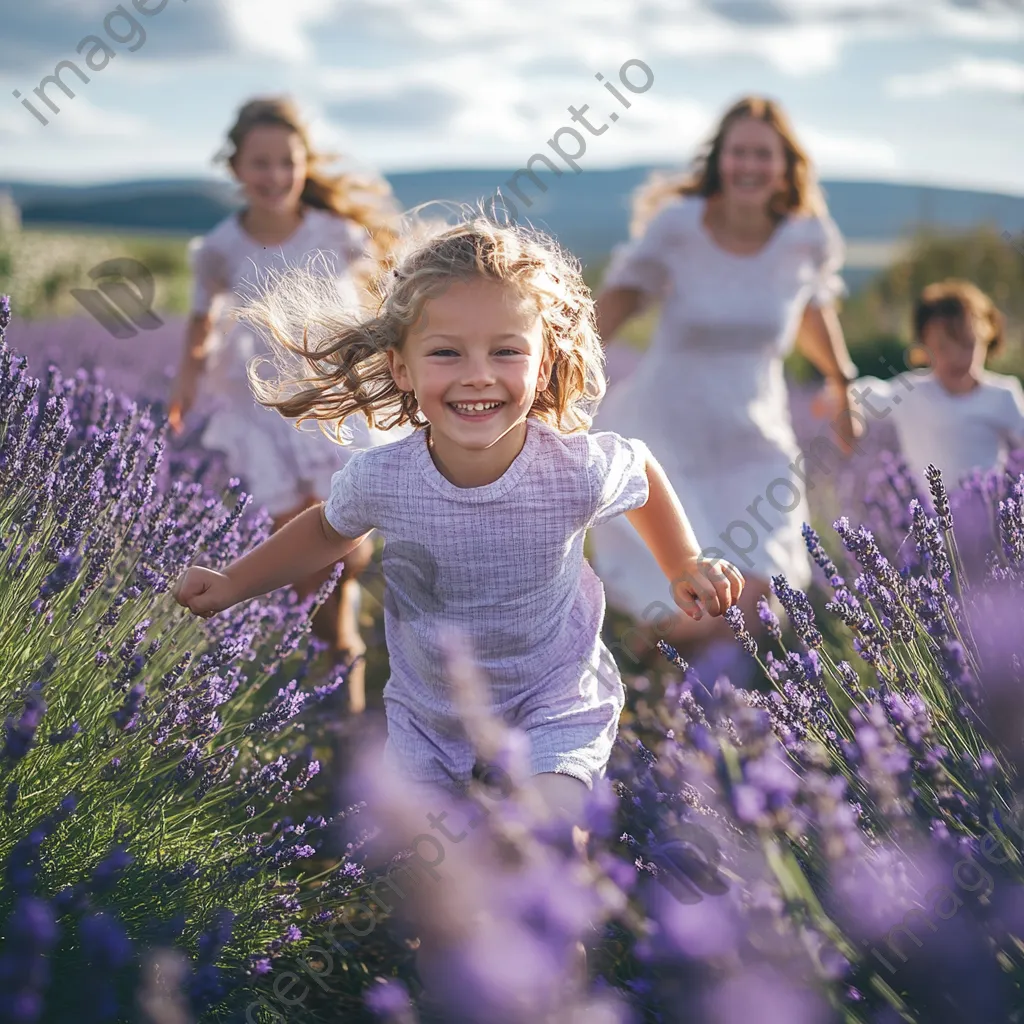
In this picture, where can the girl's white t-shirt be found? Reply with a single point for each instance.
(955, 433)
(502, 563)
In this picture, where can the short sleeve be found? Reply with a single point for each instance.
(641, 263)
(1013, 409)
(828, 254)
(617, 469)
(209, 274)
(347, 508)
(864, 389)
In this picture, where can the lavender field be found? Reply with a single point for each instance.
(844, 846)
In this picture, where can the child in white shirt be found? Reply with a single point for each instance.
(952, 413)
(483, 338)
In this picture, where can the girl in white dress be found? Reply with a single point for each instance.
(951, 413)
(294, 214)
(744, 258)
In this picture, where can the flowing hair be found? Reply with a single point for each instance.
(363, 198)
(330, 360)
(801, 194)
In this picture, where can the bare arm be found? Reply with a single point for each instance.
(307, 544)
(665, 529)
(614, 307)
(197, 333)
(190, 368)
(821, 340)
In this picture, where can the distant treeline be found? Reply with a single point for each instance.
(588, 212)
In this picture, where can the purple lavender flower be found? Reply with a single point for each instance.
(126, 716)
(769, 619)
(64, 735)
(19, 733)
(387, 998)
(940, 499)
(110, 869)
(32, 933)
(799, 609)
(735, 619)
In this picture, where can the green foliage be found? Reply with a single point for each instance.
(883, 311)
(39, 267)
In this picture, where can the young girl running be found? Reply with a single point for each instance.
(952, 412)
(484, 339)
(293, 210)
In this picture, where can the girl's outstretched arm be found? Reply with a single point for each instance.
(614, 307)
(697, 583)
(190, 369)
(307, 544)
(821, 340)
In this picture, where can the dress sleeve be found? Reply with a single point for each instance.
(828, 253)
(347, 246)
(617, 468)
(209, 274)
(641, 263)
(347, 508)
(354, 244)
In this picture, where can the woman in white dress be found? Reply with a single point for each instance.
(744, 259)
(295, 214)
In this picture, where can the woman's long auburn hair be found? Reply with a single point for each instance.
(802, 194)
(363, 198)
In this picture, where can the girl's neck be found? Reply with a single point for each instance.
(959, 385)
(475, 467)
(744, 226)
(270, 227)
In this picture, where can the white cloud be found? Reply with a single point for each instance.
(797, 50)
(82, 119)
(277, 29)
(487, 84)
(967, 74)
(78, 118)
(16, 122)
(839, 152)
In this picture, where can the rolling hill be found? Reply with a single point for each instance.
(587, 212)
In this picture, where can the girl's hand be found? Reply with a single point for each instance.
(833, 402)
(183, 397)
(710, 584)
(204, 592)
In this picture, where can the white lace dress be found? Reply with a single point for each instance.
(709, 397)
(279, 464)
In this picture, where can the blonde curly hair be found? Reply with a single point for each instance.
(331, 360)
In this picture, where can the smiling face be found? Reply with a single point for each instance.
(271, 167)
(475, 362)
(752, 163)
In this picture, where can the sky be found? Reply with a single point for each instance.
(920, 91)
